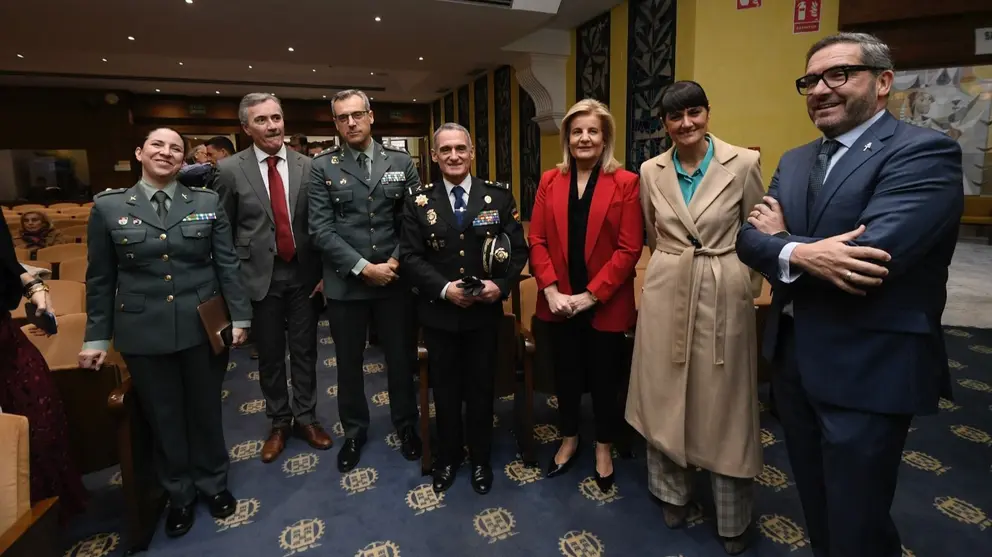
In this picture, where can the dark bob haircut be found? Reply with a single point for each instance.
(683, 95)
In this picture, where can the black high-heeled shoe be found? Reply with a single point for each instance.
(555, 469)
(605, 483)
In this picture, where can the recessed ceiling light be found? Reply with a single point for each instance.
(315, 70)
(20, 56)
(371, 73)
(291, 49)
(325, 96)
(249, 66)
(104, 59)
(130, 38)
(189, 1)
(180, 63)
(377, 18)
(421, 58)
(371, 98)
(218, 92)
(414, 100)
(158, 90)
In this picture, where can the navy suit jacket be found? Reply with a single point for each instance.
(883, 352)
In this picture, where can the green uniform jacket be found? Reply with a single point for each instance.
(145, 279)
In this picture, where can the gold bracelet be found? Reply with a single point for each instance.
(35, 289)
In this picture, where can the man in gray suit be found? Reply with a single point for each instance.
(264, 191)
(356, 201)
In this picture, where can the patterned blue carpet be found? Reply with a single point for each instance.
(301, 504)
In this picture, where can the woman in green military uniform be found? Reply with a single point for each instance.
(156, 252)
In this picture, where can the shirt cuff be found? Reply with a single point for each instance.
(444, 291)
(103, 345)
(357, 269)
(785, 273)
(241, 324)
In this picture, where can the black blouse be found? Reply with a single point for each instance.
(10, 272)
(578, 220)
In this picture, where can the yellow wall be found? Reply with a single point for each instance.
(618, 77)
(748, 61)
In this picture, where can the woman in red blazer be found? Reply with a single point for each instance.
(586, 235)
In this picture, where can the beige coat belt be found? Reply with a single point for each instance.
(684, 289)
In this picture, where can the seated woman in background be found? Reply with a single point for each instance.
(37, 232)
(27, 389)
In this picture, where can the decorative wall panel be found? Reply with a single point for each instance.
(449, 108)
(504, 154)
(530, 154)
(650, 68)
(592, 59)
(464, 114)
(482, 127)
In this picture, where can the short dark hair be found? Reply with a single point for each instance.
(221, 142)
(874, 52)
(682, 95)
(182, 139)
(299, 138)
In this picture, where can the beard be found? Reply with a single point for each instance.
(856, 111)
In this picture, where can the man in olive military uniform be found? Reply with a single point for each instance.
(156, 252)
(447, 227)
(356, 198)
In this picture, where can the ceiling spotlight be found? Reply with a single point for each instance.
(189, 1)
(104, 59)
(377, 18)
(291, 49)
(158, 90)
(414, 100)
(371, 98)
(20, 56)
(315, 70)
(180, 63)
(325, 96)
(371, 73)
(249, 66)
(130, 38)
(218, 92)
(421, 58)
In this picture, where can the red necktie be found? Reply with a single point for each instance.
(277, 194)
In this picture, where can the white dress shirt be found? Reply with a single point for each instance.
(448, 186)
(846, 140)
(282, 167)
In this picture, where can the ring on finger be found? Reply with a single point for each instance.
(848, 276)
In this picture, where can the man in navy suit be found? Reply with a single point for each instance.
(855, 235)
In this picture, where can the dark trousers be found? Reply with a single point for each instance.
(584, 356)
(179, 395)
(349, 321)
(845, 462)
(287, 313)
(462, 366)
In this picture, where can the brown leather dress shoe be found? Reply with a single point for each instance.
(314, 435)
(274, 444)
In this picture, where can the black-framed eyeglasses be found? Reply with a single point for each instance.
(833, 78)
(357, 116)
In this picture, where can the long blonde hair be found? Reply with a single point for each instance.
(608, 163)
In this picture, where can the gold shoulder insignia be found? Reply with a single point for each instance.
(327, 151)
(107, 192)
(396, 149)
(421, 188)
(498, 185)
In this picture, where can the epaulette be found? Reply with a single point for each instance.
(421, 188)
(107, 192)
(499, 185)
(396, 149)
(327, 151)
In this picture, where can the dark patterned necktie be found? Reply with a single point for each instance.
(363, 161)
(159, 197)
(459, 191)
(819, 172)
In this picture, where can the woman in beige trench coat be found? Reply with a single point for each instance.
(693, 385)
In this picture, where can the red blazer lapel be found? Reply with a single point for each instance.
(559, 192)
(606, 186)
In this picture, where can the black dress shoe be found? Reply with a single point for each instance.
(555, 469)
(350, 454)
(482, 478)
(222, 505)
(444, 476)
(410, 445)
(179, 520)
(605, 483)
